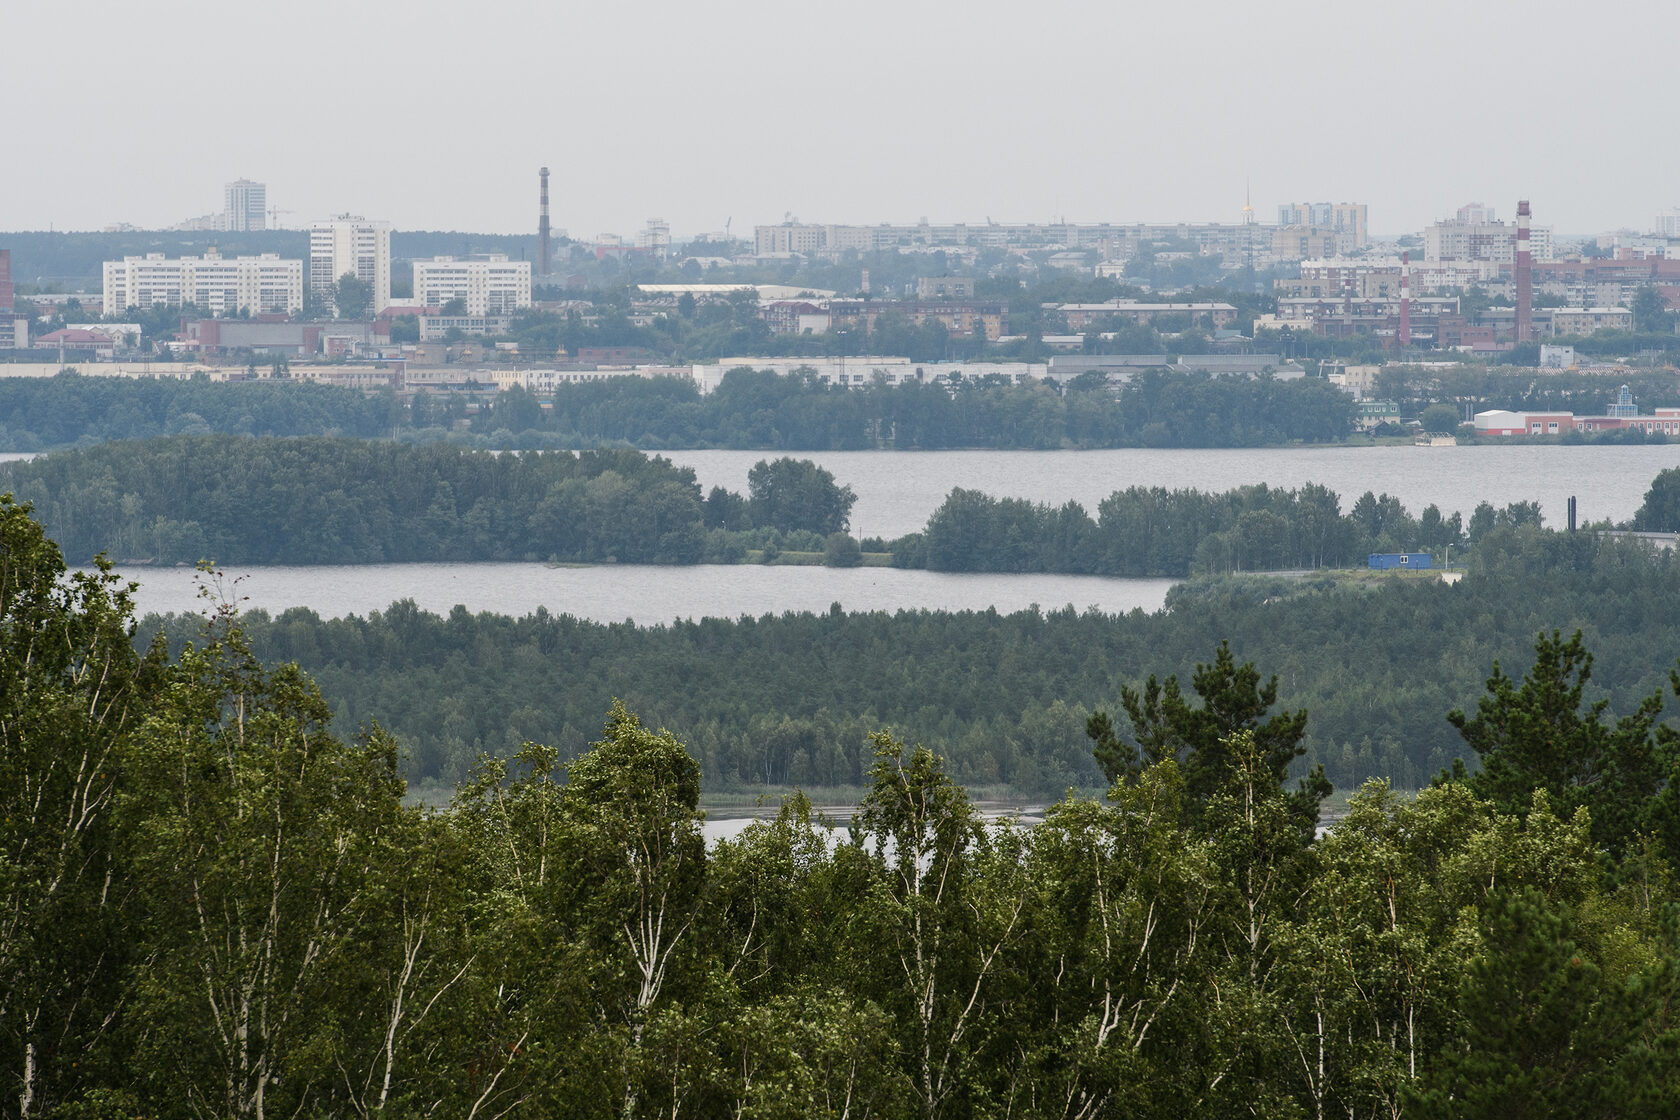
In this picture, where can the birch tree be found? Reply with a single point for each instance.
(1125, 901)
(946, 900)
(252, 834)
(71, 689)
(635, 864)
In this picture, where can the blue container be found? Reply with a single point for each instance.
(1411, 561)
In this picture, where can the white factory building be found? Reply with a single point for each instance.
(490, 285)
(216, 285)
(349, 244)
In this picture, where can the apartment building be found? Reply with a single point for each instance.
(490, 285)
(1372, 277)
(1083, 315)
(1331, 217)
(1586, 320)
(353, 245)
(1474, 234)
(214, 284)
(246, 206)
(959, 317)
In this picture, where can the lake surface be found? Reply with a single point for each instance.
(898, 490)
(645, 593)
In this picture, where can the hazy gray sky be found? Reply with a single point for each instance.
(436, 114)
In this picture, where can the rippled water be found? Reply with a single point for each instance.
(898, 490)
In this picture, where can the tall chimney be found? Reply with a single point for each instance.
(1406, 299)
(542, 227)
(1525, 282)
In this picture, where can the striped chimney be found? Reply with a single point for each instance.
(1524, 277)
(1405, 299)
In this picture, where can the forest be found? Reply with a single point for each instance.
(183, 499)
(217, 903)
(760, 410)
(790, 699)
(1152, 531)
(752, 410)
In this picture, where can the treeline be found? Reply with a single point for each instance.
(40, 413)
(1156, 532)
(1482, 387)
(752, 409)
(235, 500)
(343, 501)
(790, 699)
(336, 501)
(216, 906)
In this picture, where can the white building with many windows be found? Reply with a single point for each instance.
(490, 285)
(216, 285)
(353, 245)
(246, 206)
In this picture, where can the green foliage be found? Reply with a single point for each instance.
(1539, 737)
(1660, 512)
(1233, 701)
(263, 928)
(751, 409)
(1441, 419)
(325, 501)
(1157, 532)
(790, 700)
(352, 297)
(69, 409)
(71, 690)
(797, 496)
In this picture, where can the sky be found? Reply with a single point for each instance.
(436, 114)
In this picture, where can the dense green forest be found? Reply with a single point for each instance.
(183, 499)
(790, 699)
(188, 498)
(752, 409)
(1156, 532)
(761, 410)
(37, 414)
(214, 904)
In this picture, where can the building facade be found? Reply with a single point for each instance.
(354, 246)
(246, 206)
(1083, 315)
(491, 285)
(1337, 217)
(1474, 234)
(214, 284)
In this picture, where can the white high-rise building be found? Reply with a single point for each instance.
(212, 283)
(1668, 224)
(354, 245)
(246, 208)
(490, 285)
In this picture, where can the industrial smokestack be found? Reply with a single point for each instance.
(1524, 278)
(1405, 299)
(542, 226)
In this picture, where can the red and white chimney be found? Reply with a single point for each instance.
(1523, 274)
(1405, 299)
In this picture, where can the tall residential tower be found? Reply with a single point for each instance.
(353, 245)
(246, 207)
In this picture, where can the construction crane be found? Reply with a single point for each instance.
(274, 213)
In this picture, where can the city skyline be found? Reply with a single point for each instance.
(894, 113)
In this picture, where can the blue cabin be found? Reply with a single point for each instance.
(1382, 561)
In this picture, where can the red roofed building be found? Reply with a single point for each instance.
(76, 338)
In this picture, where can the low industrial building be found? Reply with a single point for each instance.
(1623, 415)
